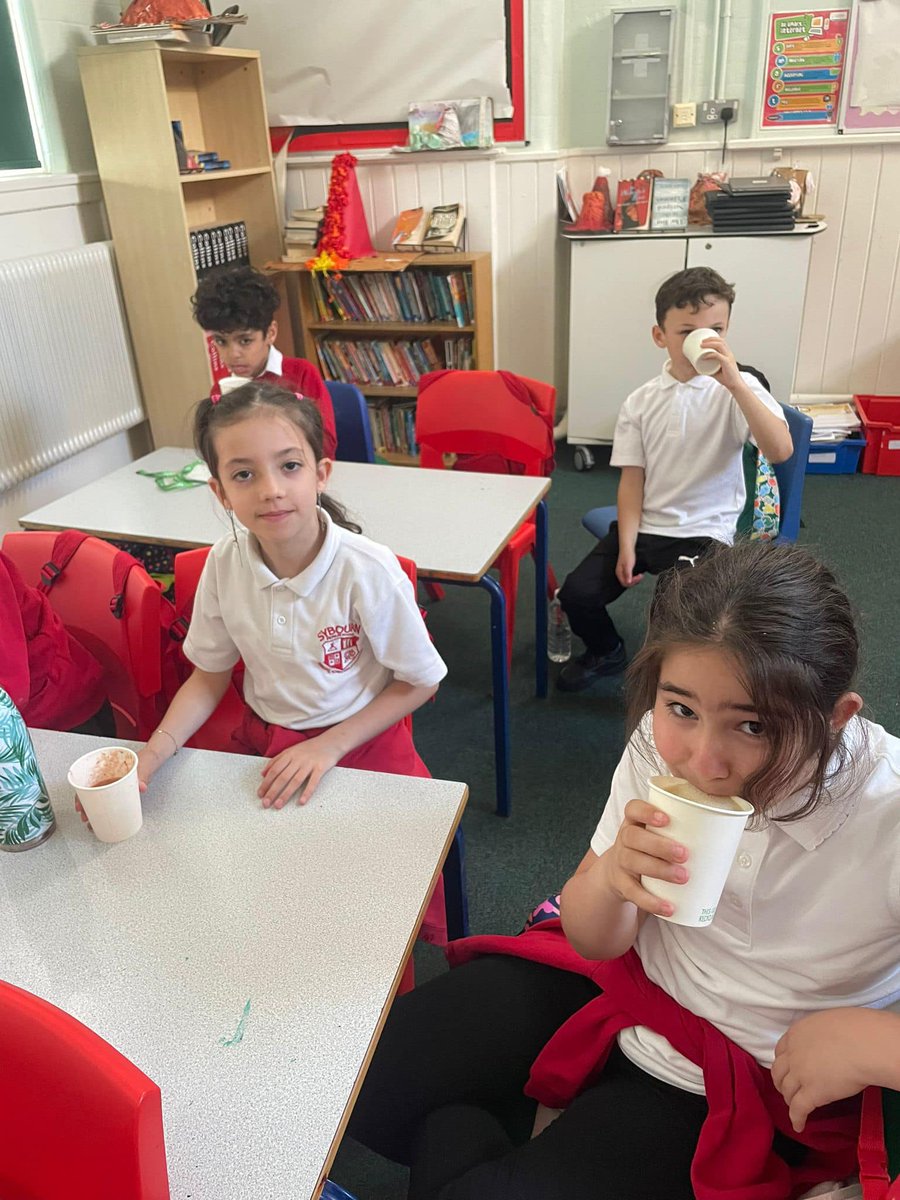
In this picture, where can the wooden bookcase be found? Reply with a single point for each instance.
(133, 92)
(480, 330)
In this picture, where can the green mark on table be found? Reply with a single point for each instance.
(239, 1032)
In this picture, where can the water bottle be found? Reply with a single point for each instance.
(26, 818)
(559, 635)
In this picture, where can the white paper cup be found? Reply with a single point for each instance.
(106, 782)
(230, 383)
(711, 828)
(703, 362)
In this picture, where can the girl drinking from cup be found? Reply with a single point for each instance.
(335, 650)
(722, 1061)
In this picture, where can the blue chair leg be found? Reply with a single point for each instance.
(333, 1191)
(540, 598)
(456, 896)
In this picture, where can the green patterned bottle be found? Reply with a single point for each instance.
(26, 818)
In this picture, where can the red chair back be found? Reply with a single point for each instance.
(78, 1119)
(127, 647)
(491, 413)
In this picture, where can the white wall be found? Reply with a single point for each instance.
(40, 213)
(850, 340)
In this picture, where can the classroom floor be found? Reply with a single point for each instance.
(564, 748)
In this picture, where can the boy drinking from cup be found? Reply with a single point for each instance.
(679, 443)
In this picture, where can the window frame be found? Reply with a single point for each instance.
(19, 47)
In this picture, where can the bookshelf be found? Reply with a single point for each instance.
(133, 91)
(406, 300)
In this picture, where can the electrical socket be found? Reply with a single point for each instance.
(711, 111)
(684, 116)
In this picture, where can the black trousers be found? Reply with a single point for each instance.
(593, 584)
(443, 1095)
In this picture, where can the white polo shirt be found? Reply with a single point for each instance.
(319, 647)
(809, 918)
(689, 438)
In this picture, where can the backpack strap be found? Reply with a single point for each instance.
(873, 1164)
(64, 546)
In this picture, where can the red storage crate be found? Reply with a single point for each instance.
(880, 416)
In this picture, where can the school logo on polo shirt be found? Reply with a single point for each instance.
(340, 646)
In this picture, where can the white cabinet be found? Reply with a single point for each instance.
(613, 283)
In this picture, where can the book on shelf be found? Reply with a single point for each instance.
(633, 205)
(446, 229)
(409, 229)
(434, 231)
(214, 246)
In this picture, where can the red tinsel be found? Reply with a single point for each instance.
(334, 233)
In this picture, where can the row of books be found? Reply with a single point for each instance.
(390, 363)
(394, 427)
(215, 246)
(395, 296)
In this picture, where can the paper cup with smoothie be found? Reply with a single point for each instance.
(106, 783)
(710, 827)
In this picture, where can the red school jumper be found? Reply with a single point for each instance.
(301, 377)
(50, 677)
(734, 1159)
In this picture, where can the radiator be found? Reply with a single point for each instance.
(67, 378)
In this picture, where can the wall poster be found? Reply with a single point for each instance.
(804, 69)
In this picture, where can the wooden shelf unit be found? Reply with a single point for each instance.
(481, 330)
(133, 92)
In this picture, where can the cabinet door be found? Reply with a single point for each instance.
(611, 315)
(769, 277)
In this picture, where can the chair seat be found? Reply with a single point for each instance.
(598, 520)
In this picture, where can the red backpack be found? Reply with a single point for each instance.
(156, 661)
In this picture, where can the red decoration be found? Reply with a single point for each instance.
(159, 12)
(345, 234)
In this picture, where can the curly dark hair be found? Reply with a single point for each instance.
(237, 298)
(789, 628)
(695, 287)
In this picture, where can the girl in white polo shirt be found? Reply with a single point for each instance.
(335, 651)
(718, 1062)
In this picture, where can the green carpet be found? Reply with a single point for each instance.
(564, 748)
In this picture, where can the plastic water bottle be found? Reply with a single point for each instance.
(559, 635)
(26, 818)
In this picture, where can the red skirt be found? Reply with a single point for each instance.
(391, 752)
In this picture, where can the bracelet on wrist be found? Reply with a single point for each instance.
(159, 729)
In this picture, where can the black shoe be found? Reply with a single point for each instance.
(579, 673)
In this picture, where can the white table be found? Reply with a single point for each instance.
(451, 524)
(157, 943)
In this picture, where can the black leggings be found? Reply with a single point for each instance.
(443, 1095)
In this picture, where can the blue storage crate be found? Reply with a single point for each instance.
(835, 458)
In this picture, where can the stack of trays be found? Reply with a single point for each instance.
(751, 206)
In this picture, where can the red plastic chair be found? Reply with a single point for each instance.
(127, 647)
(503, 419)
(216, 733)
(79, 1120)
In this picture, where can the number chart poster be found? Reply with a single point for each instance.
(805, 56)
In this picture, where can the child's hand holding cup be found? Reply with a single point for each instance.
(710, 827)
